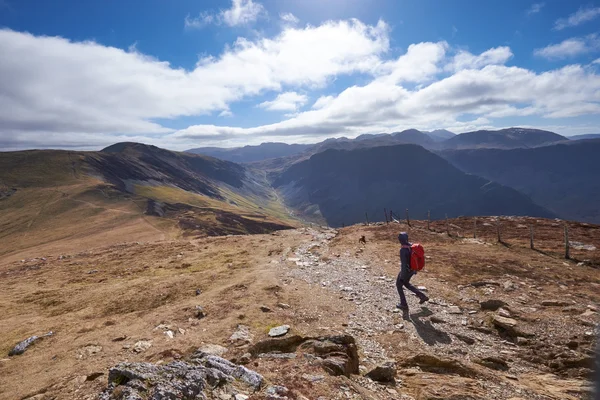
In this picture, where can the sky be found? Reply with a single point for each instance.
(193, 73)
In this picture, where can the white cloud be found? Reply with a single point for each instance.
(200, 21)
(570, 48)
(322, 102)
(53, 85)
(535, 8)
(596, 61)
(465, 60)
(288, 101)
(242, 12)
(289, 18)
(226, 113)
(581, 16)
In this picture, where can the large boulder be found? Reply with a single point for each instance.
(384, 372)
(185, 380)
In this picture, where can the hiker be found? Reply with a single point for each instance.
(406, 273)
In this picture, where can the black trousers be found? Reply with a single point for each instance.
(403, 281)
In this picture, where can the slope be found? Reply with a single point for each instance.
(562, 177)
(246, 154)
(68, 200)
(340, 186)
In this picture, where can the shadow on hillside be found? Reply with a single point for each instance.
(430, 334)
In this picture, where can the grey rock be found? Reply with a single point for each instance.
(22, 346)
(492, 305)
(200, 313)
(555, 303)
(279, 331)
(242, 334)
(384, 372)
(213, 349)
(142, 345)
(265, 309)
(454, 310)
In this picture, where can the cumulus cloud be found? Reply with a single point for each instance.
(51, 84)
(465, 60)
(581, 16)
(570, 48)
(535, 8)
(59, 93)
(288, 101)
(242, 12)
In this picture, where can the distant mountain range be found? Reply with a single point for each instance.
(441, 139)
(341, 186)
(563, 178)
(585, 137)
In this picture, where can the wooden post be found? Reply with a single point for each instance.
(475, 228)
(428, 219)
(367, 218)
(391, 215)
(498, 230)
(531, 237)
(407, 219)
(567, 253)
(385, 213)
(447, 226)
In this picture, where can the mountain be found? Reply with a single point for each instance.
(246, 154)
(562, 178)
(340, 186)
(413, 136)
(510, 138)
(59, 198)
(440, 135)
(585, 137)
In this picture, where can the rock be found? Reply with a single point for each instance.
(454, 310)
(282, 345)
(465, 338)
(213, 349)
(198, 292)
(200, 313)
(509, 286)
(492, 305)
(88, 351)
(437, 320)
(283, 306)
(493, 363)
(93, 376)
(265, 309)
(384, 372)
(241, 335)
(509, 325)
(142, 345)
(22, 346)
(279, 331)
(245, 358)
(555, 303)
(169, 334)
(313, 378)
(503, 312)
(276, 392)
(119, 338)
(429, 362)
(240, 396)
(186, 380)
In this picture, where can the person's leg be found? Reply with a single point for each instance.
(416, 291)
(399, 283)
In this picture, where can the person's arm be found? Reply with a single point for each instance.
(405, 257)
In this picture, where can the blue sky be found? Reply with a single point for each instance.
(180, 74)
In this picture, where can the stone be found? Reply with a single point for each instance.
(508, 325)
(503, 312)
(384, 372)
(509, 286)
(313, 378)
(279, 331)
(283, 306)
(454, 310)
(241, 335)
(88, 351)
(245, 358)
(198, 292)
(142, 345)
(186, 380)
(213, 349)
(493, 363)
(169, 334)
(200, 313)
(241, 396)
(465, 338)
(555, 303)
(437, 320)
(492, 305)
(24, 345)
(265, 309)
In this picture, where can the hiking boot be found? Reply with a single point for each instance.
(423, 299)
(403, 307)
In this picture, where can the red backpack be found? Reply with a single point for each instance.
(417, 256)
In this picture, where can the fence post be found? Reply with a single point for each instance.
(386, 216)
(531, 237)
(391, 215)
(498, 230)
(475, 228)
(407, 219)
(428, 219)
(447, 226)
(367, 218)
(567, 253)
